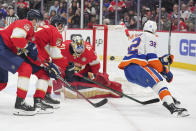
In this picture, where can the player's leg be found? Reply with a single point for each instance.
(164, 94)
(48, 99)
(13, 63)
(3, 78)
(24, 73)
(147, 76)
(167, 99)
(41, 88)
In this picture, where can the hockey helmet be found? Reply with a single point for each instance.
(150, 26)
(78, 45)
(57, 20)
(34, 14)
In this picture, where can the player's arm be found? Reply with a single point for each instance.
(18, 37)
(55, 52)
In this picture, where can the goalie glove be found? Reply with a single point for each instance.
(167, 74)
(166, 59)
(52, 70)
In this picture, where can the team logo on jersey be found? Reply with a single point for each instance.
(83, 59)
(27, 27)
(58, 42)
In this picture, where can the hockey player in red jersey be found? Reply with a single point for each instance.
(46, 38)
(142, 66)
(83, 59)
(13, 39)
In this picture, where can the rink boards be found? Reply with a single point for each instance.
(183, 45)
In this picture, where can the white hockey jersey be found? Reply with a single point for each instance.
(143, 51)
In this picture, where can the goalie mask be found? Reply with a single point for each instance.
(78, 45)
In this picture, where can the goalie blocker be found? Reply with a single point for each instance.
(89, 89)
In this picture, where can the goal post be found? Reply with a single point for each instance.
(105, 28)
(112, 36)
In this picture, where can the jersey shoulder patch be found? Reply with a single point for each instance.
(27, 27)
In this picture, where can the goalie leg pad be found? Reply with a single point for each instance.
(89, 90)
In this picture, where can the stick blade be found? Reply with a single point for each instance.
(101, 103)
(151, 101)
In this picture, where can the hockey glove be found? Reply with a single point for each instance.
(69, 72)
(167, 74)
(32, 51)
(166, 59)
(52, 71)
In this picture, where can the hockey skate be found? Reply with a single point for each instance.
(22, 109)
(176, 102)
(41, 107)
(176, 111)
(49, 100)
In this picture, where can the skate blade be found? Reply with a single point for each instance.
(19, 112)
(181, 114)
(46, 111)
(55, 106)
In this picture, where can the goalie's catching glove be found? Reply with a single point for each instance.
(167, 74)
(166, 59)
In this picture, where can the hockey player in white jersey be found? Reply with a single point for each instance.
(142, 66)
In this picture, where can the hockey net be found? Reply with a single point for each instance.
(110, 43)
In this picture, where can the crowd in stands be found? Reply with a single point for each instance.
(127, 12)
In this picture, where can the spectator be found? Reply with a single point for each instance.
(132, 24)
(185, 14)
(11, 17)
(62, 8)
(147, 15)
(121, 9)
(54, 7)
(75, 21)
(35, 4)
(52, 13)
(126, 19)
(165, 23)
(182, 25)
(22, 9)
(174, 14)
(105, 13)
(46, 20)
(92, 22)
(74, 7)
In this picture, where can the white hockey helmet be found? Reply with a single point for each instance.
(150, 26)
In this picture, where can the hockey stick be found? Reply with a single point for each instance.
(98, 104)
(45, 66)
(169, 44)
(120, 93)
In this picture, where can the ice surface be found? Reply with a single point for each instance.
(117, 115)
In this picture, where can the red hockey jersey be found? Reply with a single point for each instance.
(86, 62)
(47, 38)
(17, 34)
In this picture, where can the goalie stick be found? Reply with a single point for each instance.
(120, 93)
